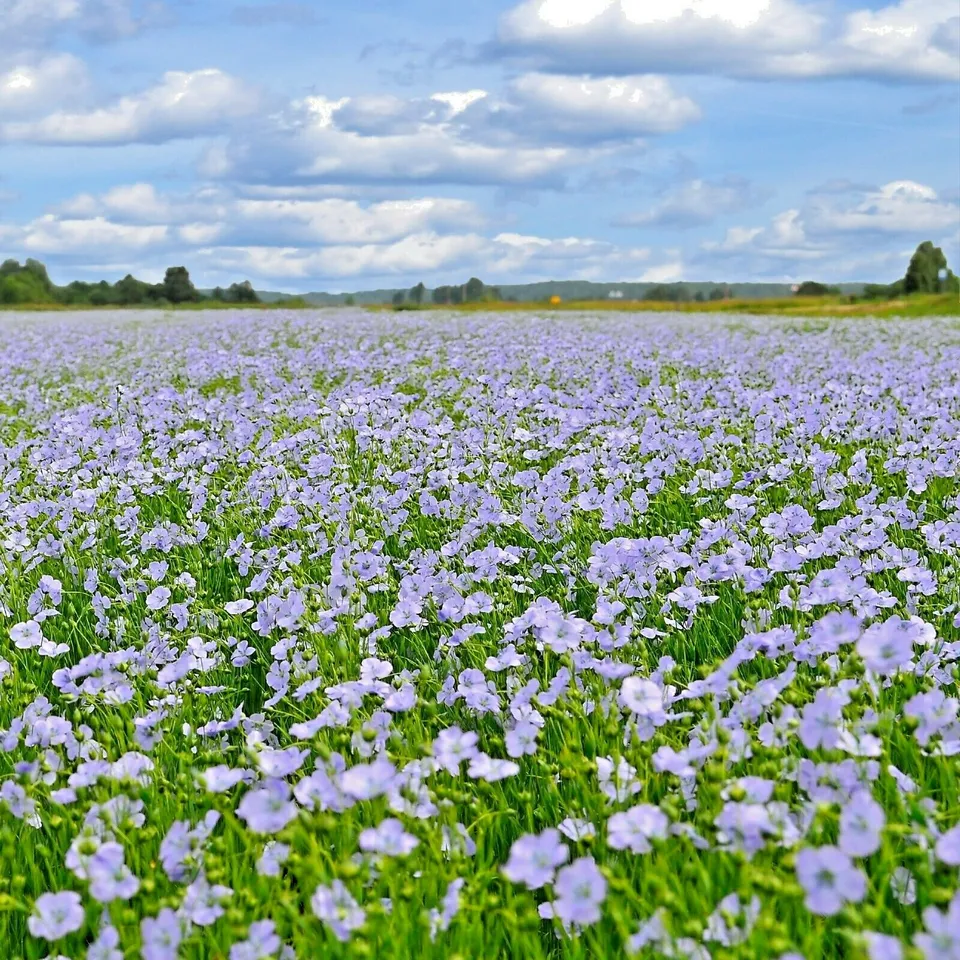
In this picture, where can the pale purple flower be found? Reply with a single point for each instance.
(829, 879)
(389, 839)
(635, 829)
(203, 903)
(579, 890)
(267, 808)
(158, 598)
(55, 915)
(534, 858)
(161, 935)
(881, 946)
(732, 922)
(861, 822)
(338, 910)
(110, 878)
(261, 943)
(452, 746)
(442, 918)
(887, 646)
(236, 607)
(948, 847)
(272, 859)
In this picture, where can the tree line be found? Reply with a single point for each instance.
(927, 272)
(30, 284)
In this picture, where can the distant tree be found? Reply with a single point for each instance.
(927, 271)
(132, 291)
(350, 300)
(716, 293)
(418, 293)
(241, 293)
(456, 295)
(473, 291)
(177, 286)
(398, 298)
(811, 288)
(441, 295)
(699, 297)
(8, 267)
(218, 294)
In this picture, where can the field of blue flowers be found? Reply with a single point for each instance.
(341, 635)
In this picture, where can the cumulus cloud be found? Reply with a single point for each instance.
(899, 207)
(834, 222)
(698, 202)
(196, 104)
(591, 110)
(381, 140)
(35, 85)
(312, 242)
(539, 130)
(33, 22)
(912, 39)
(218, 214)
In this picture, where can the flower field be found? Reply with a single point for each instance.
(479, 636)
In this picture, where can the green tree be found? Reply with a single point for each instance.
(810, 288)
(241, 293)
(473, 291)
(350, 300)
(398, 298)
(418, 293)
(441, 295)
(177, 286)
(924, 271)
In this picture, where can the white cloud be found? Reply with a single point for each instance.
(220, 214)
(552, 107)
(381, 141)
(201, 103)
(902, 206)
(912, 39)
(841, 229)
(32, 22)
(33, 85)
(699, 202)
(315, 242)
(543, 127)
(49, 234)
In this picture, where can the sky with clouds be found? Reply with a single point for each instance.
(342, 146)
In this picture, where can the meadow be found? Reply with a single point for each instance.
(479, 635)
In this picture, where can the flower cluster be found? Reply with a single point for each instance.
(339, 635)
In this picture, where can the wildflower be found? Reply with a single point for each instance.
(635, 829)
(829, 879)
(267, 808)
(55, 915)
(338, 910)
(389, 839)
(580, 889)
(861, 822)
(534, 858)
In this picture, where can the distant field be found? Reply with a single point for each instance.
(914, 306)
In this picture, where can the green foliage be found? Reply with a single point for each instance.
(177, 286)
(927, 271)
(418, 293)
(810, 288)
(30, 284)
(672, 292)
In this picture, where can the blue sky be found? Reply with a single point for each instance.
(344, 146)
